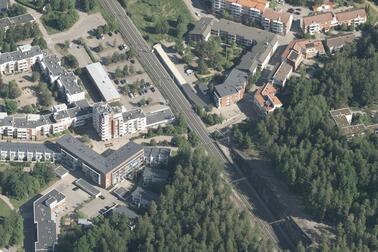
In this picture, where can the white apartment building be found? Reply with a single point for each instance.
(26, 152)
(20, 60)
(113, 122)
(108, 121)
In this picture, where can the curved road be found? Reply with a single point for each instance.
(178, 102)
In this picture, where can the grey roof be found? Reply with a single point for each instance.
(70, 84)
(52, 63)
(248, 62)
(283, 71)
(88, 188)
(20, 55)
(202, 26)
(93, 159)
(46, 225)
(102, 81)
(154, 173)
(25, 146)
(24, 122)
(132, 114)
(79, 110)
(339, 41)
(192, 96)
(146, 195)
(7, 121)
(21, 19)
(60, 115)
(126, 211)
(247, 32)
(159, 116)
(234, 82)
(17, 20)
(156, 153)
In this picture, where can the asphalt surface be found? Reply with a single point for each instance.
(243, 190)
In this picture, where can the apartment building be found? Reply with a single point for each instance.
(38, 127)
(114, 121)
(334, 44)
(104, 171)
(246, 10)
(7, 22)
(266, 100)
(66, 82)
(231, 90)
(282, 73)
(45, 209)
(327, 20)
(276, 21)
(201, 30)
(70, 88)
(319, 22)
(308, 48)
(27, 152)
(351, 17)
(20, 60)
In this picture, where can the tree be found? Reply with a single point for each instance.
(36, 76)
(161, 26)
(70, 61)
(202, 67)
(10, 106)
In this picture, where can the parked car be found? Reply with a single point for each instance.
(116, 82)
(110, 34)
(152, 89)
(101, 197)
(297, 13)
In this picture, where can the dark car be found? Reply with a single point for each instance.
(152, 89)
(75, 188)
(297, 13)
(110, 34)
(123, 81)
(290, 10)
(116, 82)
(101, 197)
(116, 32)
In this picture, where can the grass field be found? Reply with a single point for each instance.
(4, 209)
(141, 12)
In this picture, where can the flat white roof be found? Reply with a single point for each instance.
(168, 62)
(103, 83)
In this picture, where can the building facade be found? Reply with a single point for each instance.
(20, 60)
(104, 171)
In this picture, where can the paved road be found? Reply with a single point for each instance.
(179, 103)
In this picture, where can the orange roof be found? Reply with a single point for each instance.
(276, 15)
(256, 4)
(322, 18)
(266, 97)
(300, 45)
(351, 14)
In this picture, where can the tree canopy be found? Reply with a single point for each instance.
(194, 213)
(337, 176)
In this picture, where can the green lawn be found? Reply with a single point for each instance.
(142, 11)
(4, 209)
